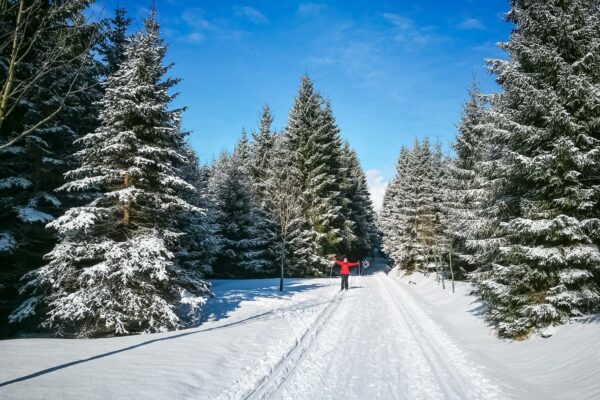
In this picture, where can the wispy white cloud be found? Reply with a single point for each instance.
(250, 13)
(319, 61)
(306, 9)
(194, 37)
(471, 24)
(198, 26)
(377, 185)
(399, 21)
(407, 30)
(201, 27)
(195, 18)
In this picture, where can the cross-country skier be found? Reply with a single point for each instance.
(344, 270)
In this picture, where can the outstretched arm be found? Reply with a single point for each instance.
(352, 264)
(337, 262)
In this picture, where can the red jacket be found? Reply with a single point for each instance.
(345, 266)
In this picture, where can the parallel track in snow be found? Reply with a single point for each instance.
(383, 345)
(456, 375)
(378, 343)
(270, 383)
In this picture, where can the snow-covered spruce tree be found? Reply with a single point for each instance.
(439, 177)
(243, 239)
(313, 141)
(408, 248)
(412, 218)
(263, 146)
(337, 165)
(419, 207)
(243, 154)
(114, 271)
(392, 217)
(467, 186)
(112, 49)
(262, 149)
(384, 219)
(198, 247)
(433, 207)
(48, 85)
(546, 268)
(265, 251)
(296, 250)
(360, 207)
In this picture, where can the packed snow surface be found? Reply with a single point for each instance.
(385, 338)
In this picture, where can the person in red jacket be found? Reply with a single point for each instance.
(345, 270)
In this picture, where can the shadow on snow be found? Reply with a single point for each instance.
(229, 295)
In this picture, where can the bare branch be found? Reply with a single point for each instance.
(15, 89)
(44, 120)
(33, 128)
(6, 90)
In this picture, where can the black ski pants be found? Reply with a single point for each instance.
(345, 281)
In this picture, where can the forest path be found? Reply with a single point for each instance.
(382, 339)
(378, 343)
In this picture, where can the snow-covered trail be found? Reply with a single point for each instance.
(382, 339)
(378, 343)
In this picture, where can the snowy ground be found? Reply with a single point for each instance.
(564, 366)
(382, 339)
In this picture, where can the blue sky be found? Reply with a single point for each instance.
(393, 70)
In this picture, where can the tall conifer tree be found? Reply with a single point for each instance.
(50, 82)
(114, 269)
(241, 226)
(359, 206)
(391, 217)
(199, 246)
(315, 149)
(264, 145)
(412, 216)
(112, 49)
(470, 186)
(545, 264)
(296, 249)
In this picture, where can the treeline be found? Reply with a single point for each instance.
(518, 206)
(296, 197)
(412, 218)
(109, 224)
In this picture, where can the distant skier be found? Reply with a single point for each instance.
(344, 270)
(365, 267)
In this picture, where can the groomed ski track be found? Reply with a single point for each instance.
(375, 342)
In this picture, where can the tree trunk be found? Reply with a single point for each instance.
(6, 92)
(127, 204)
(451, 270)
(281, 268)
